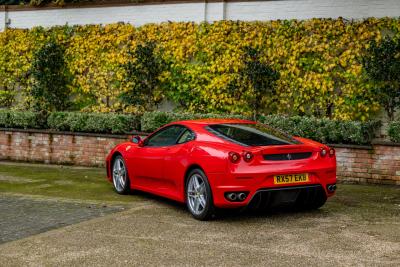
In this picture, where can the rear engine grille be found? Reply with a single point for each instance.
(288, 156)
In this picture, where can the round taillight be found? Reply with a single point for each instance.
(331, 152)
(248, 156)
(323, 152)
(234, 157)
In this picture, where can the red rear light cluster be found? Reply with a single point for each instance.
(325, 152)
(247, 156)
(234, 157)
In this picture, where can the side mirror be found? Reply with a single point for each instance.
(141, 143)
(136, 139)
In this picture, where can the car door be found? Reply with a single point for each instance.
(176, 161)
(148, 161)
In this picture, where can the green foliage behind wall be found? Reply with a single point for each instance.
(319, 63)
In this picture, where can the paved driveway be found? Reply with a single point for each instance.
(155, 232)
(22, 217)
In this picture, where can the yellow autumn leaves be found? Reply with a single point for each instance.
(319, 62)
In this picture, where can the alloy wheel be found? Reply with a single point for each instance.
(119, 175)
(196, 194)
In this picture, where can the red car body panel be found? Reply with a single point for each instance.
(162, 170)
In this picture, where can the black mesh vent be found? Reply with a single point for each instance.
(288, 156)
(310, 196)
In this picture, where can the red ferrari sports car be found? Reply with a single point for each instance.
(224, 163)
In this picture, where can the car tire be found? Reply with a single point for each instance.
(120, 177)
(198, 195)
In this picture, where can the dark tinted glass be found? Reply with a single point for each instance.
(186, 137)
(251, 134)
(165, 137)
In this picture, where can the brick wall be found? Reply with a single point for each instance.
(57, 148)
(379, 163)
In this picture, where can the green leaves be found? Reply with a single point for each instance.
(151, 121)
(382, 61)
(382, 65)
(143, 71)
(261, 76)
(20, 119)
(394, 131)
(93, 122)
(322, 130)
(50, 90)
(207, 68)
(7, 98)
(325, 130)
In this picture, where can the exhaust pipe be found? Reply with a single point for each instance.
(331, 187)
(241, 196)
(236, 196)
(232, 196)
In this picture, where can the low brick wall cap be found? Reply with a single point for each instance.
(368, 147)
(385, 143)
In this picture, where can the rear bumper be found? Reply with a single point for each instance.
(302, 196)
(258, 184)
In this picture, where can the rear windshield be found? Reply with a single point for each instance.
(251, 134)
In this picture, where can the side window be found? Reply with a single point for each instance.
(165, 137)
(186, 136)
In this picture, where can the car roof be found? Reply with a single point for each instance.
(213, 121)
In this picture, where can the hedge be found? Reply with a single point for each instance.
(318, 60)
(71, 121)
(322, 130)
(325, 130)
(394, 131)
(20, 119)
(93, 122)
(151, 121)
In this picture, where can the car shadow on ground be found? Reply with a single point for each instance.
(232, 215)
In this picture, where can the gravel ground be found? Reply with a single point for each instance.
(155, 232)
(360, 226)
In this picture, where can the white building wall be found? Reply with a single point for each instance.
(306, 9)
(387, 8)
(214, 11)
(137, 15)
(203, 11)
(2, 20)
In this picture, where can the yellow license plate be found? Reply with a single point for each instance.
(291, 178)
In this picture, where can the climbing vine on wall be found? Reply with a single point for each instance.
(319, 62)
